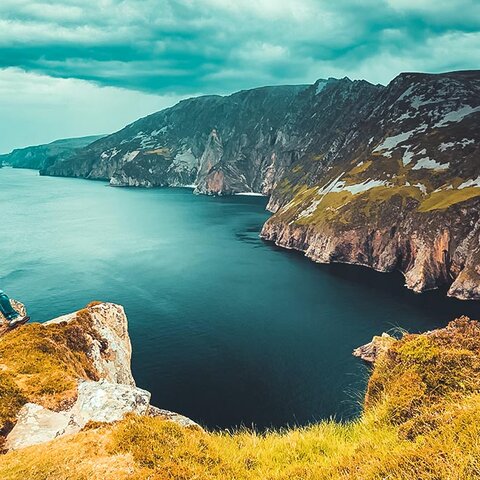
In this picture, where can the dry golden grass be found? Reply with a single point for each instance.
(421, 421)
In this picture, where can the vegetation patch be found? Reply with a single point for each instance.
(443, 199)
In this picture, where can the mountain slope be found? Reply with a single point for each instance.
(402, 193)
(37, 157)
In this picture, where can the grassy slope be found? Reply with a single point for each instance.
(421, 421)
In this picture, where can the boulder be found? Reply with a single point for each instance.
(173, 417)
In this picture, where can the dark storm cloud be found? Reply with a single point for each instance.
(192, 46)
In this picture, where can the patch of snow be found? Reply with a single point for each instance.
(250, 194)
(457, 115)
(364, 186)
(155, 133)
(407, 115)
(310, 209)
(422, 188)
(462, 143)
(334, 186)
(407, 155)
(429, 163)
(320, 86)
(392, 142)
(470, 183)
(129, 156)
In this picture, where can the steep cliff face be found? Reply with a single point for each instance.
(39, 156)
(401, 193)
(244, 142)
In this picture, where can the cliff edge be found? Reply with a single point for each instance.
(59, 376)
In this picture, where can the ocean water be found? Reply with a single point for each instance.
(226, 328)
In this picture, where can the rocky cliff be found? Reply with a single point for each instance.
(386, 177)
(40, 156)
(244, 142)
(401, 193)
(57, 377)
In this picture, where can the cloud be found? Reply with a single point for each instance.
(213, 46)
(39, 109)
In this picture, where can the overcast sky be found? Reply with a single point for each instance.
(78, 67)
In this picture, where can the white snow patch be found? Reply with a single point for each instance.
(407, 155)
(364, 186)
(250, 194)
(392, 142)
(320, 86)
(457, 115)
(462, 143)
(422, 188)
(470, 183)
(158, 132)
(129, 156)
(429, 163)
(407, 92)
(334, 186)
(310, 209)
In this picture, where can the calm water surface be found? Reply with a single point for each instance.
(226, 329)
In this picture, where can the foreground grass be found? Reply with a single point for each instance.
(421, 421)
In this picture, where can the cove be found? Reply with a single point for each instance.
(226, 328)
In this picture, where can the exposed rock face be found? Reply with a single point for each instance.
(372, 350)
(107, 399)
(112, 354)
(40, 156)
(173, 417)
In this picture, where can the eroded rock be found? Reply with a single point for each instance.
(372, 350)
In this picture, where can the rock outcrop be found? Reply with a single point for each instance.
(90, 348)
(110, 350)
(96, 402)
(372, 350)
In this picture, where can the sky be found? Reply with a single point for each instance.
(80, 67)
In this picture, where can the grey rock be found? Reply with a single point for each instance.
(97, 402)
